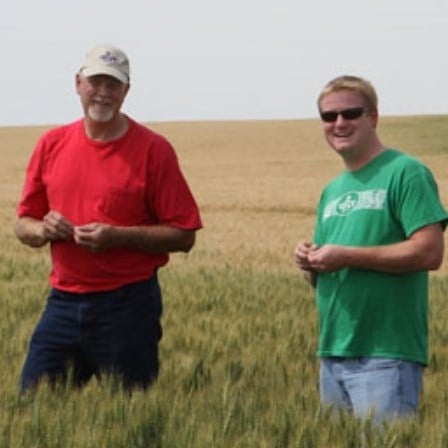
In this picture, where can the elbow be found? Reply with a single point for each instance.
(435, 263)
(188, 242)
(434, 260)
(17, 231)
(430, 248)
(20, 232)
(28, 232)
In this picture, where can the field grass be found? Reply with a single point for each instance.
(238, 363)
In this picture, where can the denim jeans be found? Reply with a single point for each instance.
(114, 332)
(388, 387)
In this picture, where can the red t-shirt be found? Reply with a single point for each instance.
(134, 180)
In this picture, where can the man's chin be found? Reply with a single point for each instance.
(100, 116)
(342, 147)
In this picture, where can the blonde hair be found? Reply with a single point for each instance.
(355, 84)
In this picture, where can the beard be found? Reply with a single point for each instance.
(100, 113)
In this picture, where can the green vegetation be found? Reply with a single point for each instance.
(238, 370)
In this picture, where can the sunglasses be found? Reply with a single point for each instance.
(330, 116)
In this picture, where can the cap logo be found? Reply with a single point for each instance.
(109, 58)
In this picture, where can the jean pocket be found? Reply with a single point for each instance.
(373, 364)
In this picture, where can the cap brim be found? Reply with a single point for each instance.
(101, 70)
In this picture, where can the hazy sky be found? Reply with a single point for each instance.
(227, 59)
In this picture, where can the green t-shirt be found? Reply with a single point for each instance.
(370, 313)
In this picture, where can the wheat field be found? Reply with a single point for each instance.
(238, 364)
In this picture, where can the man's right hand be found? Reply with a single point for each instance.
(301, 253)
(37, 232)
(301, 258)
(56, 227)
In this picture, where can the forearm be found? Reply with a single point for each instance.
(155, 239)
(423, 251)
(394, 258)
(30, 231)
(390, 259)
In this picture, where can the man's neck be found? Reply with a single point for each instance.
(104, 132)
(363, 158)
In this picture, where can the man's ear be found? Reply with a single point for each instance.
(374, 115)
(77, 82)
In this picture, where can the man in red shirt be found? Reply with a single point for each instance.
(109, 197)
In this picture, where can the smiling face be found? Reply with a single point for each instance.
(352, 137)
(101, 96)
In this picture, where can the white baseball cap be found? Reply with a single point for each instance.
(107, 60)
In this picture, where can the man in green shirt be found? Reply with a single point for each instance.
(379, 231)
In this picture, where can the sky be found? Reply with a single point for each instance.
(224, 60)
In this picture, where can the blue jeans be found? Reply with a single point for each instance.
(388, 387)
(115, 332)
